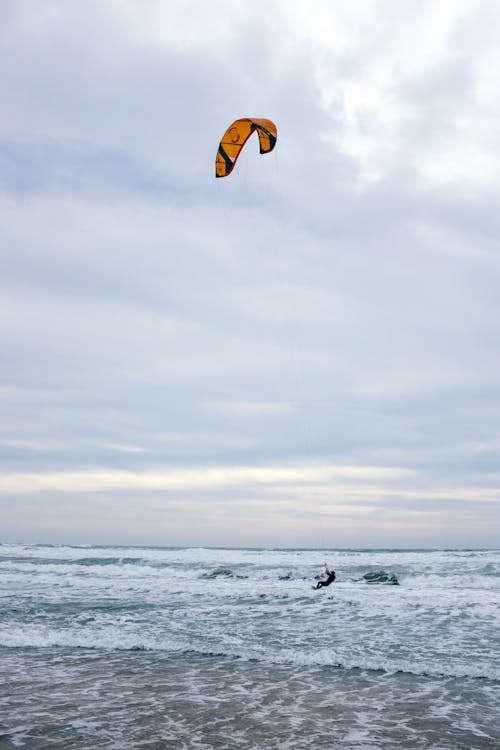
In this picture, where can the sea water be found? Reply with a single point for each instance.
(106, 647)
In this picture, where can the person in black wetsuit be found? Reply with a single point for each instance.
(330, 577)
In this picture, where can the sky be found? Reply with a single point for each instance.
(303, 354)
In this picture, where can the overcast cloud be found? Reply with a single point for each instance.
(305, 353)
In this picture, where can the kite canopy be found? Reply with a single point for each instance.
(235, 138)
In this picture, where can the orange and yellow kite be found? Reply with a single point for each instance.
(235, 138)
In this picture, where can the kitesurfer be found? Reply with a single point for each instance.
(330, 577)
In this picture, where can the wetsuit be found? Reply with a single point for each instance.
(329, 579)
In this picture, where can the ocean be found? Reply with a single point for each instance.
(159, 648)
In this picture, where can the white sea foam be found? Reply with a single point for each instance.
(259, 605)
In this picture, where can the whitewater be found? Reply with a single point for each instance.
(127, 647)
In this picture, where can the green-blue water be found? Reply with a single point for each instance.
(209, 648)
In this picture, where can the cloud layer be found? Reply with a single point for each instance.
(329, 306)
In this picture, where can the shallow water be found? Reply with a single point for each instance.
(197, 648)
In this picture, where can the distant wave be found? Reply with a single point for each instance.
(220, 572)
(380, 576)
(88, 562)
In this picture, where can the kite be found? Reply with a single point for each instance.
(235, 138)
